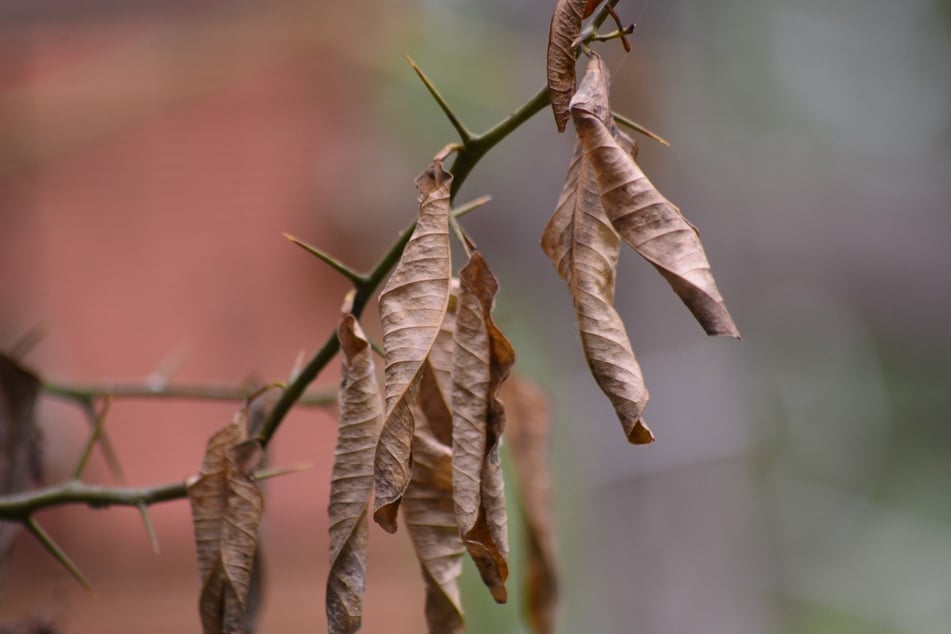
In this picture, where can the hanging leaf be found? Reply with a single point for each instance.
(227, 508)
(564, 30)
(21, 443)
(584, 247)
(431, 523)
(361, 414)
(412, 305)
(528, 429)
(435, 389)
(590, 7)
(647, 221)
(482, 358)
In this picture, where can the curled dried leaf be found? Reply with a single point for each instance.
(647, 221)
(21, 443)
(584, 247)
(482, 358)
(564, 30)
(227, 509)
(528, 431)
(431, 524)
(412, 305)
(351, 481)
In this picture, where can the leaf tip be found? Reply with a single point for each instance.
(385, 516)
(640, 434)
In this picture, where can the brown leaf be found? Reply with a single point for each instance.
(528, 429)
(647, 221)
(564, 30)
(21, 443)
(361, 415)
(482, 358)
(412, 305)
(435, 390)
(227, 508)
(590, 7)
(431, 523)
(584, 248)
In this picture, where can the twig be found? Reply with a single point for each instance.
(180, 391)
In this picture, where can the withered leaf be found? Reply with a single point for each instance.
(351, 482)
(227, 508)
(590, 7)
(481, 360)
(21, 443)
(564, 30)
(431, 523)
(528, 428)
(584, 247)
(435, 390)
(647, 221)
(412, 305)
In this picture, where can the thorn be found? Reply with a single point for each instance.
(472, 205)
(467, 245)
(299, 361)
(633, 125)
(265, 474)
(357, 279)
(97, 420)
(159, 378)
(149, 527)
(60, 556)
(464, 134)
(29, 340)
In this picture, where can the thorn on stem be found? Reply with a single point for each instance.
(355, 278)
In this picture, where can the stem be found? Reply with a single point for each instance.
(84, 392)
(469, 156)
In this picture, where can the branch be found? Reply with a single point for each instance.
(181, 391)
(19, 507)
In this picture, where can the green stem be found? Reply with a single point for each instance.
(467, 158)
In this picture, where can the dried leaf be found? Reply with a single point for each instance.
(21, 443)
(435, 389)
(528, 428)
(361, 415)
(482, 358)
(647, 221)
(564, 30)
(412, 305)
(431, 523)
(227, 508)
(590, 7)
(584, 247)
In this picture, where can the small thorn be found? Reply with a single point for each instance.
(265, 474)
(464, 134)
(149, 527)
(60, 556)
(356, 278)
(467, 245)
(633, 125)
(472, 205)
(29, 340)
(97, 420)
(159, 378)
(299, 361)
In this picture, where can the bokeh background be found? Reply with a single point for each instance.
(152, 153)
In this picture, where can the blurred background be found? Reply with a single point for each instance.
(152, 153)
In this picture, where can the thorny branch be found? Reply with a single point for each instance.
(21, 507)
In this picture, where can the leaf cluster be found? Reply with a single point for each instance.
(428, 441)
